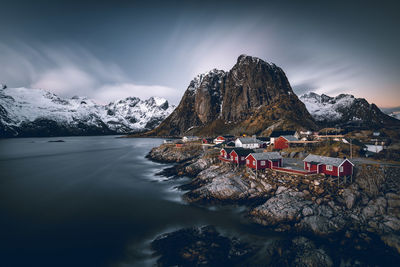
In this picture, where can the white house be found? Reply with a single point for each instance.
(190, 138)
(247, 142)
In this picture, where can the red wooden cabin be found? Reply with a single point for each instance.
(238, 155)
(259, 161)
(328, 165)
(283, 141)
(224, 154)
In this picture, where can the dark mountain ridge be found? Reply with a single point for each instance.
(254, 97)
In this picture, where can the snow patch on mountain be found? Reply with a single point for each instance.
(204, 78)
(326, 108)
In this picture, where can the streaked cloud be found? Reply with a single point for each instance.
(72, 70)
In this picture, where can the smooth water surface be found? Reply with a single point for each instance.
(93, 201)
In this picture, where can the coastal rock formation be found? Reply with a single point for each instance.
(299, 251)
(353, 214)
(202, 246)
(169, 153)
(253, 97)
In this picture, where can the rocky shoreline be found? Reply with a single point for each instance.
(357, 214)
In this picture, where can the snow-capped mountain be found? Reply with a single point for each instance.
(344, 109)
(35, 112)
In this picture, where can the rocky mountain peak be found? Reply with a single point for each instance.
(232, 97)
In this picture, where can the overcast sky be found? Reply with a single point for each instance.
(108, 50)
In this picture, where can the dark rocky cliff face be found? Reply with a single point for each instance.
(253, 97)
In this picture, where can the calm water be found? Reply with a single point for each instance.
(94, 201)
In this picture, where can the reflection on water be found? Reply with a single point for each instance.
(93, 201)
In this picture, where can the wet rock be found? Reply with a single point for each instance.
(322, 226)
(202, 246)
(299, 251)
(169, 153)
(392, 241)
(282, 208)
(349, 198)
(375, 207)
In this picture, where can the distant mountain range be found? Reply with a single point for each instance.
(35, 112)
(345, 110)
(254, 97)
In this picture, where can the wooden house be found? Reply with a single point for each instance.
(238, 155)
(190, 138)
(223, 138)
(259, 161)
(276, 134)
(328, 165)
(283, 141)
(224, 154)
(247, 142)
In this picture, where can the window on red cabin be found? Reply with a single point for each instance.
(329, 167)
(262, 163)
(247, 161)
(341, 169)
(254, 162)
(242, 158)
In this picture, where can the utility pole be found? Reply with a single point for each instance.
(351, 148)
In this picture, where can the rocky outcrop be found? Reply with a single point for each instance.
(202, 246)
(252, 97)
(309, 204)
(299, 251)
(353, 214)
(169, 153)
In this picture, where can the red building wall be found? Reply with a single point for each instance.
(233, 156)
(239, 159)
(281, 143)
(347, 169)
(310, 167)
(277, 163)
(224, 154)
(267, 164)
(251, 160)
(333, 172)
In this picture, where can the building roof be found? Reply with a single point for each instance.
(290, 137)
(279, 133)
(240, 151)
(248, 140)
(230, 143)
(325, 160)
(227, 149)
(266, 155)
